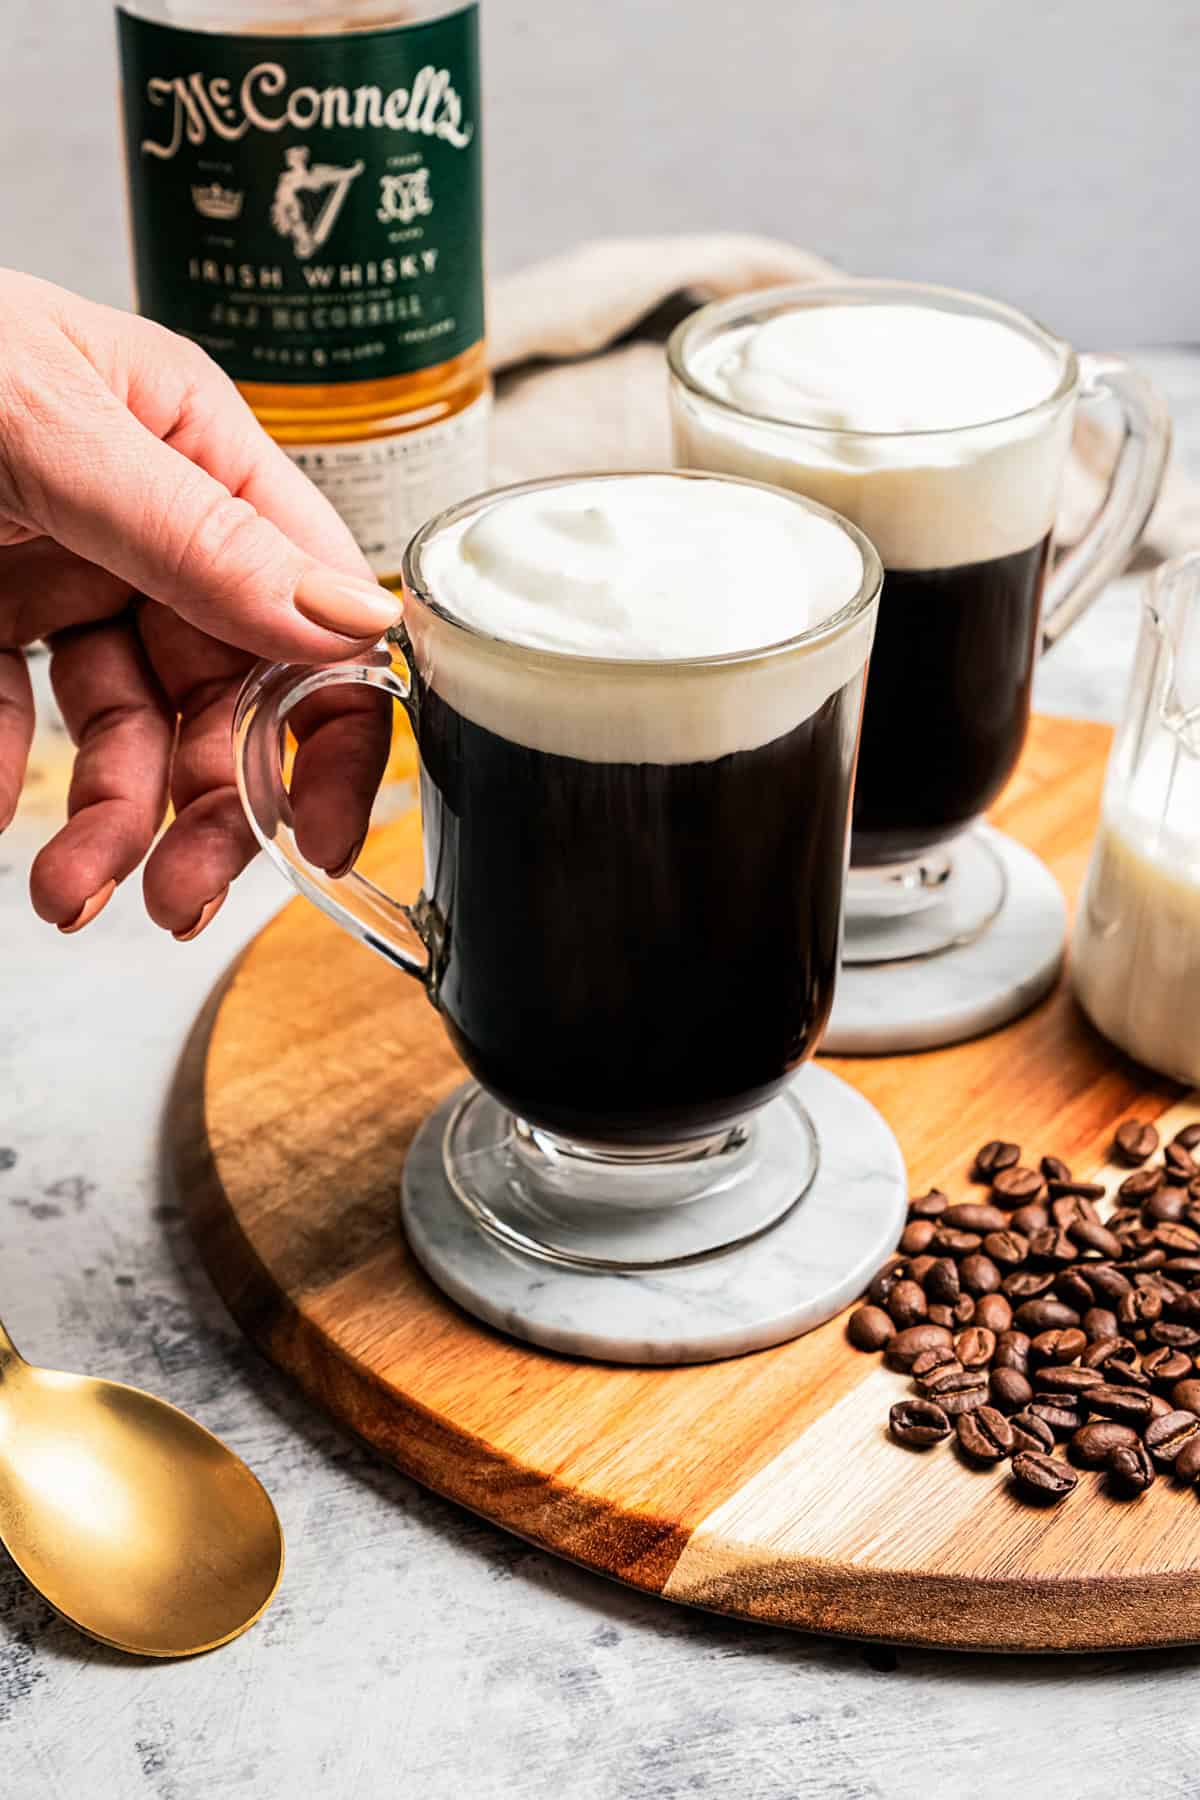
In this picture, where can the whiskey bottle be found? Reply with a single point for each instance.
(305, 196)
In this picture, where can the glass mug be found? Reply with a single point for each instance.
(1135, 954)
(962, 517)
(630, 920)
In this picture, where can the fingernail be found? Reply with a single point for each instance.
(207, 914)
(90, 908)
(354, 609)
(344, 868)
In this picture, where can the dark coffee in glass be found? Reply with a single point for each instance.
(636, 700)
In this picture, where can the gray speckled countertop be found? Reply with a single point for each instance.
(414, 1650)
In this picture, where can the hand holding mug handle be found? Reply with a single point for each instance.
(271, 692)
(1103, 551)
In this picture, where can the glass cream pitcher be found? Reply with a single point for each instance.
(1136, 952)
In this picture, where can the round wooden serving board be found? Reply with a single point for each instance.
(765, 1486)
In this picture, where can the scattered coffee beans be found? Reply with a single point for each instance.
(1025, 1319)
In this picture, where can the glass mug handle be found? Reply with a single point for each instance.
(270, 694)
(1103, 551)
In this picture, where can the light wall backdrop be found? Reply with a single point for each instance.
(1045, 151)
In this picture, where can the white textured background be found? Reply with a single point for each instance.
(1041, 150)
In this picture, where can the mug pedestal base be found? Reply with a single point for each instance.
(898, 991)
(789, 1279)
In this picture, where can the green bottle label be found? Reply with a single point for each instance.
(308, 208)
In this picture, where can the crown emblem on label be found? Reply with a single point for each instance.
(217, 202)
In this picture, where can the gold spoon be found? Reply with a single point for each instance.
(135, 1523)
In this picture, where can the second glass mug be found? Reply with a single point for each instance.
(632, 947)
(962, 517)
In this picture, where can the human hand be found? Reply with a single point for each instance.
(159, 542)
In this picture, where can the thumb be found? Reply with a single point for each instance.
(93, 477)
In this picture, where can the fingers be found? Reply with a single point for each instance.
(81, 467)
(44, 589)
(209, 841)
(16, 730)
(344, 738)
(117, 715)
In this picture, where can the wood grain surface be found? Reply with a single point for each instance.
(765, 1486)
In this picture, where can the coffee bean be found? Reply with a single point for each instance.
(1179, 1165)
(1084, 1190)
(918, 1423)
(1166, 1206)
(1177, 1240)
(1129, 1469)
(947, 1241)
(1057, 1378)
(1007, 1249)
(1139, 1187)
(941, 1378)
(1165, 1437)
(1052, 1248)
(1093, 1443)
(979, 1274)
(1140, 1308)
(885, 1279)
(1129, 1405)
(936, 1358)
(928, 1206)
(869, 1328)
(1031, 1433)
(942, 1282)
(907, 1345)
(993, 1313)
(972, 1215)
(1045, 1315)
(1188, 1137)
(1175, 1337)
(985, 1435)
(1187, 1463)
(1061, 1412)
(1186, 1395)
(1072, 1288)
(919, 1267)
(1030, 1218)
(1054, 1169)
(1108, 1284)
(1183, 1306)
(1148, 1263)
(1012, 1351)
(1099, 1323)
(906, 1304)
(1160, 1406)
(1058, 1345)
(965, 1398)
(1009, 1390)
(1110, 1353)
(1134, 1142)
(1166, 1366)
(1097, 1237)
(1184, 1269)
(1136, 1240)
(1027, 1284)
(1072, 1209)
(1046, 1479)
(1016, 1186)
(943, 1315)
(992, 1157)
(1124, 1218)
(974, 1347)
(914, 1239)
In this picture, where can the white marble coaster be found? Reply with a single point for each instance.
(792, 1278)
(919, 1002)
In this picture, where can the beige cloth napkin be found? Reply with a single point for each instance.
(577, 347)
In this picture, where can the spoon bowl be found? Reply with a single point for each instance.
(136, 1524)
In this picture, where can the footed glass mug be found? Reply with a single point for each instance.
(817, 389)
(630, 921)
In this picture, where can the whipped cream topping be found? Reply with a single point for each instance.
(819, 388)
(647, 567)
(884, 368)
(609, 574)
